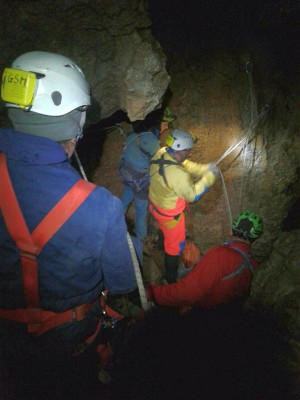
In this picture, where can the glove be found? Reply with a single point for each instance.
(214, 169)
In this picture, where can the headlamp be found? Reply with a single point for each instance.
(18, 87)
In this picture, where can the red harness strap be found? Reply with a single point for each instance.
(30, 245)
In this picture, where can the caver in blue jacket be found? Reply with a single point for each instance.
(90, 251)
(134, 174)
(47, 95)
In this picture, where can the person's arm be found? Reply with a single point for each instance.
(207, 173)
(117, 265)
(195, 169)
(193, 288)
(180, 181)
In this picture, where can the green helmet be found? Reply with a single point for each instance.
(248, 225)
(168, 115)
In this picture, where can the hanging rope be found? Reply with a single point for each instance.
(226, 200)
(253, 103)
(80, 165)
(253, 118)
(142, 292)
(246, 137)
(144, 302)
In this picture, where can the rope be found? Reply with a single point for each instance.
(141, 288)
(226, 200)
(80, 165)
(253, 119)
(253, 102)
(144, 302)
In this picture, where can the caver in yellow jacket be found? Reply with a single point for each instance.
(174, 182)
(180, 186)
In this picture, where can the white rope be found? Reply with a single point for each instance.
(253, 123)
(246, 137)
(230, 150)
(144, 302)
(80, 165)
(226, 200)
(253, 102)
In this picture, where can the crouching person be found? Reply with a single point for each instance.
(62, 240)
(222, 275)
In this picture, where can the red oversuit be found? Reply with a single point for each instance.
(221, 275)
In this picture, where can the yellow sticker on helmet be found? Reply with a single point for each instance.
(18, 87)
(169, 140)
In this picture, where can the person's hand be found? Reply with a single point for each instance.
(214, 169)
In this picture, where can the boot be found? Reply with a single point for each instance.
(171, 267)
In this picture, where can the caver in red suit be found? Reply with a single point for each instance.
(223, 274)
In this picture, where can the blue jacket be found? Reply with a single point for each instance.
(139, 149)
(90, 251)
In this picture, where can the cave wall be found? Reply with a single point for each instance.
(109, 39)
(212, 99)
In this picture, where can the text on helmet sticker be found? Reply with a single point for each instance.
(18, 87)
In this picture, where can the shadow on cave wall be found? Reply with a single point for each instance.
(90, 147)
(292, 220)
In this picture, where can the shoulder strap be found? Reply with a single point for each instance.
(245, 264)
(30, 245)
(61, 212)
(161, 163)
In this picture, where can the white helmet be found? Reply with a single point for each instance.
(179, 140)
(59, 84)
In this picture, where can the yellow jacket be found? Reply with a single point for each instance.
(178, 187)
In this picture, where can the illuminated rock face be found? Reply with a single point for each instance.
(217, 101)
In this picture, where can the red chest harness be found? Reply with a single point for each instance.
(31, 244)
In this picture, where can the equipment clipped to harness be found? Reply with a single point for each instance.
(136, 180)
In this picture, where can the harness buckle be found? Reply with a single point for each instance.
(28, 250)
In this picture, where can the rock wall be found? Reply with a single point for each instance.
(216, 100)
(109, 39)
(223, 105)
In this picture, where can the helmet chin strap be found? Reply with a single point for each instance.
(180, 155)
